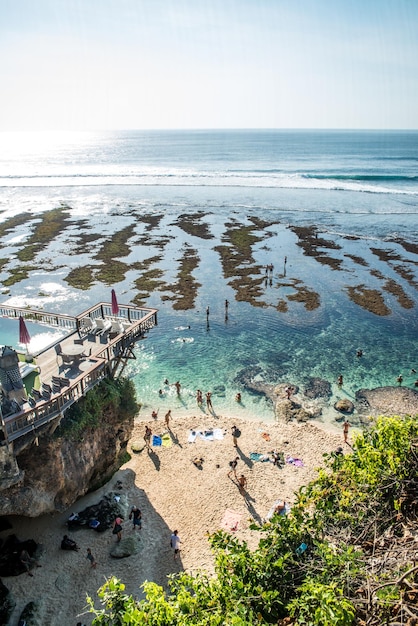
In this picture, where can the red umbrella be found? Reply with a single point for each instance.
(24, 336)
(115, 305)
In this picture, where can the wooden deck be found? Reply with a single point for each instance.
(105, 342)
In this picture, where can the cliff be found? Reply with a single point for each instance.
(59, 470)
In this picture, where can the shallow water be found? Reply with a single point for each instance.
(358, 190)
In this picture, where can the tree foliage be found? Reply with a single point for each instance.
(341, 557)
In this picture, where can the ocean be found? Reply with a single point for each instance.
(204, 212)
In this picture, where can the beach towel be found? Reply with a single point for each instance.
(218, 433)
(207, 435)
(156, 440)
(166, 440)
(257, 456)
(231, 520)
(192, 436)
(294, 461)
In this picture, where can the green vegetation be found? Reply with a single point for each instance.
(343, 556)
(117, 395)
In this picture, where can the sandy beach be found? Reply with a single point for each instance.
(172, 494)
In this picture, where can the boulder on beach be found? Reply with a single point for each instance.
(344, 406)
(126, 547)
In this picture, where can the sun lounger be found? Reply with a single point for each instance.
(102, 326)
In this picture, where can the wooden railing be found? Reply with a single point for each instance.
(30, 419)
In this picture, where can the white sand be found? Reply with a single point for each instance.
(172, 494)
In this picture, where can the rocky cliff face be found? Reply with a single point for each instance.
(58, 471)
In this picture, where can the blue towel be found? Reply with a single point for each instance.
(156, 440)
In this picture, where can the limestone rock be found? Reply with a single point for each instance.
(318, 388)
(344, 406)
(59, 471)
(126, 547)
(7, 604)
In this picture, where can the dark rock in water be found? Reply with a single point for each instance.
(7, 604)
(318, 388)
(219, 389)
(30, 615)
(10, 564)
(126, 547)
(344, 406)
(104, 512)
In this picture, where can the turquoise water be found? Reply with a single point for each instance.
(360, 190)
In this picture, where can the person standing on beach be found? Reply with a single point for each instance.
(167, 419)
(340, 380)
(117, 528)
(199, 397)
(233, 465)
(242, 483)
(136, 516)
(209, 401)
(346, 426)
(235, 434)
(147, 436)
(91, 558)
(175, 543)
(154, 414)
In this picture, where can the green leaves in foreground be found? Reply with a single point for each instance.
(341, 557)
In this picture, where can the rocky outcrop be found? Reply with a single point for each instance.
(387, 401)
(58, 470)
(317, 388)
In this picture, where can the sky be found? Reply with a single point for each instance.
(145, 64)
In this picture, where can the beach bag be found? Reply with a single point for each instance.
(237, 433)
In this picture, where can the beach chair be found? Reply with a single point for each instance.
(36, 395)
(58, 351)
(46, 391)
(102, 326)
(32, 401)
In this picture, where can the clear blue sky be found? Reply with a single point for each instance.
(98, 64)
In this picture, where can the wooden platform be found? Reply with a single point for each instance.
(104, 343)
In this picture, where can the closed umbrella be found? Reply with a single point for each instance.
(115, 305)
(24, 336)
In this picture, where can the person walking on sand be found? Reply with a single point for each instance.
(175, 544)
(147, 436)
(242, 483)
(117, 528)
(209, 401)
(346, 426)
(167, 419)
(233, 465)
(91, 558)
(136, 516)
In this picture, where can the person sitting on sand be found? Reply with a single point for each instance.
(280, 508)
(68, 544)
(28, 561)
(154, 414)
(198, 462)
